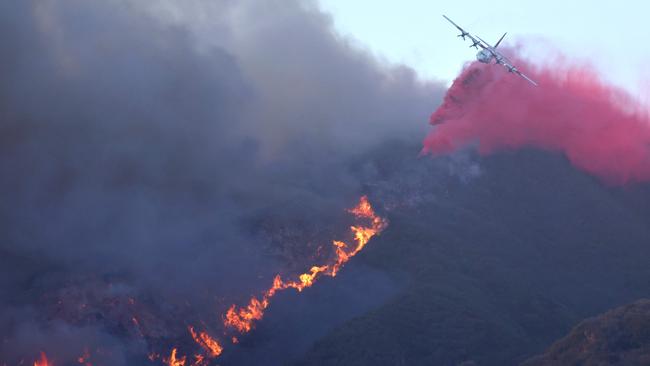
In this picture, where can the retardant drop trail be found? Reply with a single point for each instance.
(599, 127)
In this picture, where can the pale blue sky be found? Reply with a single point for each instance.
(615, 35)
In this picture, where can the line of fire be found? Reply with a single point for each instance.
(241, 319)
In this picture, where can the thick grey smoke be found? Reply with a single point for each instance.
(152, 150)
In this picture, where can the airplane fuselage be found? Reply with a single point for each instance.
(484, 56)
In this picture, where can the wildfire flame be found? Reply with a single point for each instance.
(199, 360)
(84, 359)
(242, 319)
(43, 361)
(174, 361)
(206, 342)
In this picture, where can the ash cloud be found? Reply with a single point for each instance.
(146, 150)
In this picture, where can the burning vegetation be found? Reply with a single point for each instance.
(242, 319)
(150, 167)
(42, 361)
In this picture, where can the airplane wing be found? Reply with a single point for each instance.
(525, 77)
(511, 68)
(463, 33)
(487, 44)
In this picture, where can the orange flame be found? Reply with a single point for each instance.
(174, 361)
(242, 319)
(208, 343)
(199, 360)
(363, 209)
(43, 361)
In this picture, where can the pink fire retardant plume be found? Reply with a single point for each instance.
(599, 128)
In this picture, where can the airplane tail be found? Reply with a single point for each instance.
(501, 39)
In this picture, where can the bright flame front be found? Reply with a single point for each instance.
(242, 319)
(43, 361)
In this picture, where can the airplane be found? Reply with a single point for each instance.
(489, 53)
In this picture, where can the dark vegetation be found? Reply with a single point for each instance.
(496, 267)
(618, 337)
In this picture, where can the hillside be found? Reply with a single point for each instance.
(495, 266)
(617, 337)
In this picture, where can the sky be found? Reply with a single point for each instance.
(611, 35)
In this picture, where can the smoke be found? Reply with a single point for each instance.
(600, 129)
(162, 158)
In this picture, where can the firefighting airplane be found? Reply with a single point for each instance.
(488, 53)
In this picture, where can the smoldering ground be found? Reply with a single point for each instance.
(159, 159)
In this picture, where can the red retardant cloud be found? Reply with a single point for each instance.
(598, 127)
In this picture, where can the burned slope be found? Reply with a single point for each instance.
(496, 262)
(160, 162)
(618, 337)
